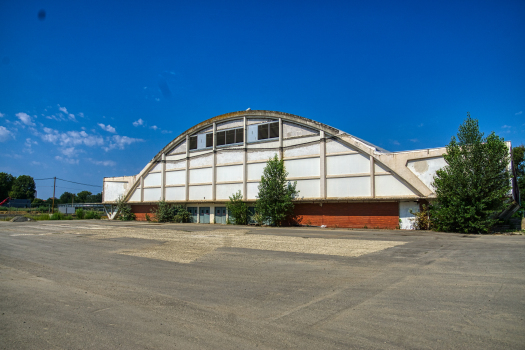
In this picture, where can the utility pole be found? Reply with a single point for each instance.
(54, 185)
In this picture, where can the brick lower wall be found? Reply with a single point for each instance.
(141, 210)
(352, 215)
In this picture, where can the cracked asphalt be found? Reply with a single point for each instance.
(65, 285)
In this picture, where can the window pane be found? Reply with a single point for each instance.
(274, 130)
(209, 140)
(193, 142)
(239, 135)
(262, 132)
(221, 138)
(230, 136)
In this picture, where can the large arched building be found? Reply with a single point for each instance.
(343, 181)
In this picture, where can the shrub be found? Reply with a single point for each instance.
(422, 220)
(124, 210)
(238, 210)
(43, 209)
(258, 218)
(182, 215)
(91, 214)
(80, 213)
(164, 212)
(4, 208)
(41, 217)
(57, 216)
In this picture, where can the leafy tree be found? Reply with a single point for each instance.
(23, 188)
(472, 187)
(124, 211)
(37, 201)
(66, 197)
(94, 198)
(49, 201)
(518, 158)
(275, 198)
(6, 182)
(82, 196)
(237, 209)
(164, 212)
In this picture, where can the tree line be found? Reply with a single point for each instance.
(24, 187)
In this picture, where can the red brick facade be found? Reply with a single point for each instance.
(140, 211)
(353, 215)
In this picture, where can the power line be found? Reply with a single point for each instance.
(78, 183)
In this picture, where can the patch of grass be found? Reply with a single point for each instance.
(40, 217)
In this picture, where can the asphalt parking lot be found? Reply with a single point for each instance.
(105, 285)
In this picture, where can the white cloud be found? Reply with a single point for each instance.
(63, 109)
(108, 128)
(166, 132)
(81, 115)
(395, 142)
(414, 140)
(71, 138)
(25, 118)
(69, 152)
(72, 117)
(35, 163)
(138, 122)
(120, 142)
(2, 115)
(5, 134)
(28, 145)
(67, 160)
(519, 113)
(506, 126)
(102, 162)
(154, 127)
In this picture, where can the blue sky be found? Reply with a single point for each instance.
(97, 88)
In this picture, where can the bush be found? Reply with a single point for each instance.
(164, 212)
(422, 219)
(124, 210)
(182, 215)
(57, 216)
(41, 217)
(43, 209)
(238, 210)
(4, 208)
(258, 218)
(91, 214)
(80, 213)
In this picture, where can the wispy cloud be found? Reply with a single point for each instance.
(2, 115)
(63, 109)
(414, 140)
(395, 142)
(28, 145)
(5, 134)
(120, 142)
(71, 138)
(25, 118)
(506, 127)
(518, 113)
(138, 122)
(102, 162)
(166, 132)
(107, 128)
(69, 151)
(67, 160)
(154, 127)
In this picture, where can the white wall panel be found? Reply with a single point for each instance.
(201, 161)
(175, 193)
(176, 165)
(136, 195)
(250, 121)
(152, 180)
(302, 151)
(253, 189)
(200, 192)
(333, 146)
(176, 177)
(406, 219)
(295, 130)
(226, 190)
(152, 194)
(255, 171)
(347, 164)
(229, 173)
(348, 187)
(230, 157)
(378, 168)
(198, 176)
(237, 123)
(156, 168)
(309, 188)
(388, 186)
(261, 155)
(302, 167)
(425, 169)
(112, 190)
(180, 148)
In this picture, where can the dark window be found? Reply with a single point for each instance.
(193, 142)
(230, 136)
(274, 130)
(239, 135)
(209, 140)
(221, 138)
(262, 132)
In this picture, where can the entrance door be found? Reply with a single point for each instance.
(220, 215)
(193, 213)
(204, 215)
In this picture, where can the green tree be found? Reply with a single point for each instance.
(237, 209)
(518, 158)
(472, 188)
(66, 197)
(6, 182)
(82, 196)
(94, 198)
(275, 198)
(36, 202)
(23, 188)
